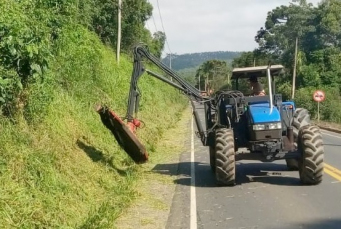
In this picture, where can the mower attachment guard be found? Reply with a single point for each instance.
(124, 136)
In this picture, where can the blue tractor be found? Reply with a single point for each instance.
(271, 129)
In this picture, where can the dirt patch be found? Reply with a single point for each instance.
(328, 124)
(156, 188)
(335, 127)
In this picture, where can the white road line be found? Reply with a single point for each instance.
(332, 135)
(193, 216)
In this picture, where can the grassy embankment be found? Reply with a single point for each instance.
(59, 166)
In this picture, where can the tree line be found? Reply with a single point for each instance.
(306, 40)
(31, 31)
(193, 60)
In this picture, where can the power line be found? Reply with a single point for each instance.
(164, 31)
(154, 23)
(163, 28)
(153, 19)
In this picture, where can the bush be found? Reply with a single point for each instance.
(61, 168)
(329, 109)
(24, 49)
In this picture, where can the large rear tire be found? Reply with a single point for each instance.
(225, 164)
(310, 145)
(301, 118)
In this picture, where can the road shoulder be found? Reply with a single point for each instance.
(156, 187)
(329, 126)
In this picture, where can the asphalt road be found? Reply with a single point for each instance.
(267, 195)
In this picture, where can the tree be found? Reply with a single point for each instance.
(158, 43)
(134, 15)
(317, 62)
(212, 74)
(254, 58)
(284, 28)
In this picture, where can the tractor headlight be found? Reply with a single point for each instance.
(275, 126)
(268, 126)
(259, 127)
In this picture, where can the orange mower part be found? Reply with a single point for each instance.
(124, 134)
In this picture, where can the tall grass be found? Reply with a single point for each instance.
(59, 166)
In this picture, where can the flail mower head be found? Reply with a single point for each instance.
(125, 137)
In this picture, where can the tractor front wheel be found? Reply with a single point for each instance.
(310, 145)
(225, 165)
(301, 118)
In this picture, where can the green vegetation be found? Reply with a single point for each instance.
(317, 31)
(156, 187)
(34, 32)
(194, 60)
(59, 166)
(213, 74)
(188, 74)
(213, 67)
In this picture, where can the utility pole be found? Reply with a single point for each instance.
(199, 83)
(170, 63)
(119, 31)
(294, 72)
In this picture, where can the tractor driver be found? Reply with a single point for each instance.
(256, 87)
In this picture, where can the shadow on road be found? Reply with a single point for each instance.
(268, 173)
(204, 176)
(316, 224)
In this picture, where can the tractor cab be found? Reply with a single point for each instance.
(244, 78)
(261, 107)
(264, 118)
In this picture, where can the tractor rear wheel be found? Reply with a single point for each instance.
(212, 158)
(225, 164)
(310, 145)
(301, 118)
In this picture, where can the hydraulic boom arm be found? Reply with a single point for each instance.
(133, 101)
(125, 133)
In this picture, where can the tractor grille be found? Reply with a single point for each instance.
(265, 135)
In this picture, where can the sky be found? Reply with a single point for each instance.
(211, 25)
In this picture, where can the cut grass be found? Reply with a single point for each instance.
(59, 166)
(156, 182)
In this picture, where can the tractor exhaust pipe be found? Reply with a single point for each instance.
(270, 88)
(290, 135)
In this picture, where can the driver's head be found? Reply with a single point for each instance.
(253, 79)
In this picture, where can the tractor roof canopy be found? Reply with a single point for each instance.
(259, 71)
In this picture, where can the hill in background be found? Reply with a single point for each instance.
(187, 64)
(193, 60)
